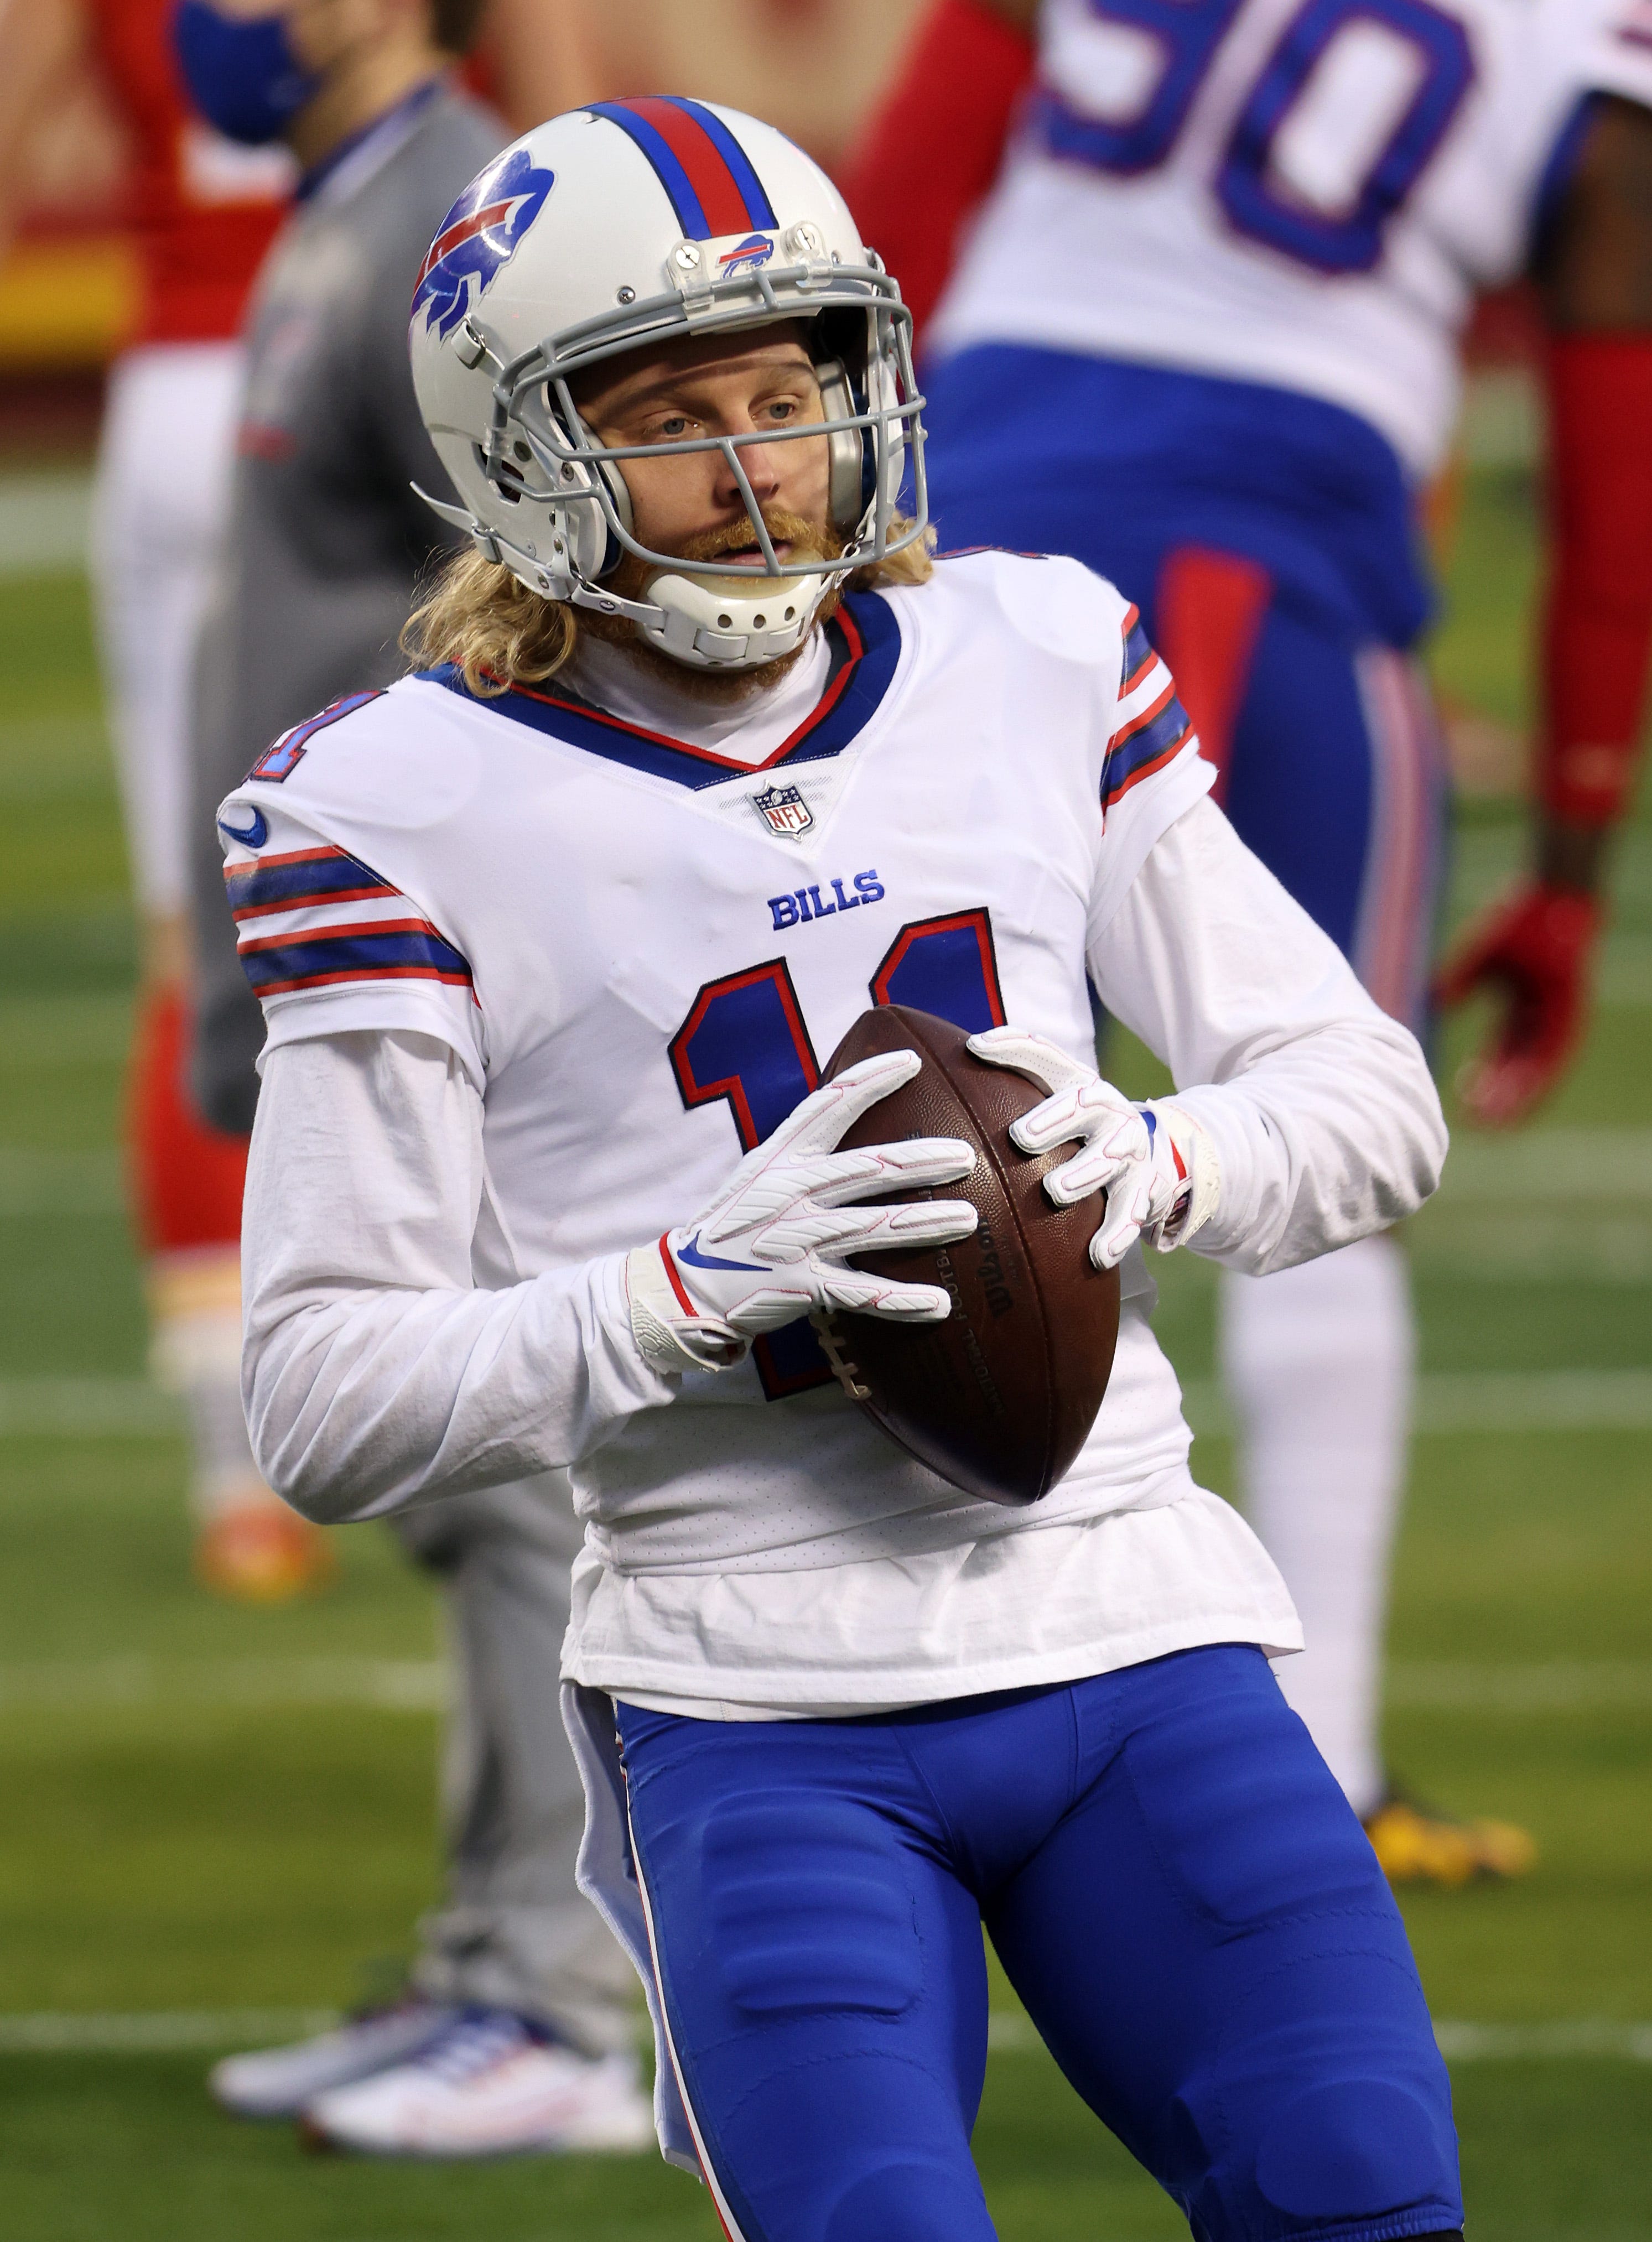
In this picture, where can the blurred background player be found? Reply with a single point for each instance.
(518, 2032)
(810, 65)
(1204, 335)
(202, 211)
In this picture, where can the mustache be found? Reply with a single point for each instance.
(810, 540)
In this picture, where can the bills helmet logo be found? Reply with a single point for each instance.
(746, 256)
(478, 237)
(783, 811)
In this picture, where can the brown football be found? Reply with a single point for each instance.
(1000, 1398)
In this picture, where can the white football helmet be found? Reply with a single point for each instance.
(632, 223)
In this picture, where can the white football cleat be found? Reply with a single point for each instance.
(492, 2084)
(276, 2082)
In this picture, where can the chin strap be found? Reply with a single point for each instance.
(705, 623)
(550, 583)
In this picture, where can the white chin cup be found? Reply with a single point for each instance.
(710, 622)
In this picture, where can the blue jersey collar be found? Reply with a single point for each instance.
(865, 643)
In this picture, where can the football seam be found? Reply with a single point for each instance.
(1027, 1255)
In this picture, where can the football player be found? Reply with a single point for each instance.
(517, 2033)
(1210, 316)
(202, 210)
(704, 750)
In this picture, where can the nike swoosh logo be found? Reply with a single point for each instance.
(250, 836)
(695, 1259)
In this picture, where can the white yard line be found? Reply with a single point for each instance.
(46, 521)
(60, 1184)
(1557, 1685)
(38, 1033)
(1587, 2036)
(66, 1408)
(1613, 1166)
(1486, 1245)
(170, 2032)
(158, 2031)
(387, 1685)
(1493, 1401)
(1011, 2033)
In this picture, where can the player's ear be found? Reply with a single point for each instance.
(846, 500)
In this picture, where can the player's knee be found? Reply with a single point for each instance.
(913, 2200)
(1355, 2149)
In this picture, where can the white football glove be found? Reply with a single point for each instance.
(1155, 1165)
(772, 1244)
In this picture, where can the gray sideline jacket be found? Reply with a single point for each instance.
(325, 542)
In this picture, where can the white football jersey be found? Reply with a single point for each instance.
(644, 952)
(1307, 193)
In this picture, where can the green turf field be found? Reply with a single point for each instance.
(208, 1811)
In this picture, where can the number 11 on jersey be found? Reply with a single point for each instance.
(745, 1040)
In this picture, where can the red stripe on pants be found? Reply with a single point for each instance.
(1210, 611)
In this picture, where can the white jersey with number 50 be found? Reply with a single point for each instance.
(1307, 193)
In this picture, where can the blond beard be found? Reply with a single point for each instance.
(721, 687)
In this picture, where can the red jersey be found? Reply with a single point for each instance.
(202, 210)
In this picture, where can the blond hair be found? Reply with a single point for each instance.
(498, 634)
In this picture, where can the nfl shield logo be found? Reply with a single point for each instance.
(784, 811)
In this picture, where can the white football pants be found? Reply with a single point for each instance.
(1320, 1365)
(514, 1931)
(162, 488)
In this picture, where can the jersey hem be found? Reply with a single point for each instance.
(645, 1683)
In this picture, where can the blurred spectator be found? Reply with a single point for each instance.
(517, 2033)
(809, 66)
(201, 213)
(1274, 383)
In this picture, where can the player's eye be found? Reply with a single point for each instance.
(675, 425)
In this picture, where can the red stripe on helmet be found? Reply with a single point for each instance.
(719, 190)
(494, 214)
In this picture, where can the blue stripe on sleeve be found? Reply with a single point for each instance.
(366, 956)
(1144, 751)
(316, 879)
(1138, 649)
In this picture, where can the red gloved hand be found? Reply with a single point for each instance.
(1534, 949)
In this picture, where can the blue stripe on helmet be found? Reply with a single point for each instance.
(672, 176)
(759, 210)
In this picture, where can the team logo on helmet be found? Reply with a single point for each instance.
(783, 811)
(746, 256)
(478, 237)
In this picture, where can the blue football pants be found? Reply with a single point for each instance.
(1174, 1884)
(1324, 735)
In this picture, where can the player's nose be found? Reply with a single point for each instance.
(762, 471)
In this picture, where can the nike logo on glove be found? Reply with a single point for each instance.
(250, 836)
(695, 1259)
